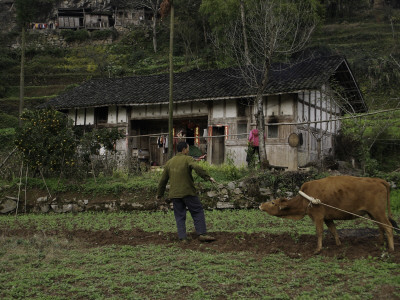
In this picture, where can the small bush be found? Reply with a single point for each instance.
(46, 139)
(135, 57)
(71, 36)
(8, 121)
(7, 138)
(103, 34)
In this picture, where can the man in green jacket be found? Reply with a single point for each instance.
(182, 192)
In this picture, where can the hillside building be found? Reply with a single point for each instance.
(215, 110)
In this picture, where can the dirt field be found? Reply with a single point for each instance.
(356, 243)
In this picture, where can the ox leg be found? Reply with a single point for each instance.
(319, 226)
(387, 230)
(332, 229)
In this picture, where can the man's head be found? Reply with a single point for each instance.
(182, 147)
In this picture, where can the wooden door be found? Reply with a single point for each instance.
(218, 145)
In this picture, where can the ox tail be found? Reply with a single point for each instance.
(394, 224)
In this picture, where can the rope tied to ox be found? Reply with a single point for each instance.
(318, 201)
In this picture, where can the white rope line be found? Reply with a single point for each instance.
(317, 201)
(276, 124)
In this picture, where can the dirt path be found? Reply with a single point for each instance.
(356, 243)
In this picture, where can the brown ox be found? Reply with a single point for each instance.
(357, 195)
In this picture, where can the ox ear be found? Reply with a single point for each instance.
(283, 204)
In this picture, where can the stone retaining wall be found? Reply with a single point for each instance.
(244, 194)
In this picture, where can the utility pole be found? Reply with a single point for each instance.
(171, 75)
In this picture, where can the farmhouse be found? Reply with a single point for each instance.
(214, 111)
(79, 18)
(125, 17)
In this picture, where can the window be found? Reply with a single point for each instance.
(242, 130)
(241, 108)
(272, 131)
(101, 114)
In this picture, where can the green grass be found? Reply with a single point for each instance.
(121, 181)
(159, 272)
(249, 221)
(54, 267)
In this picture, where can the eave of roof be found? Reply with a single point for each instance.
(200, 85)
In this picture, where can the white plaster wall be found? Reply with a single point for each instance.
(121, 145)
(165, 110)
(287, 105)
(183, 109)
(122, 115)
(237, 154)
(80, 119)
(325, 117)
(112, 115)
(300, 112)
(231, 109)
(306, 115)
(306, 97)
(153, 111)
(312, 115)
(302, 158)
(282, 155)
(218, 109)
(272, 106)
(89, 116)
(199, 107)
(326, 144)
(278, 155)
(138, 112)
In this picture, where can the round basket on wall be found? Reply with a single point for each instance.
(294, 139)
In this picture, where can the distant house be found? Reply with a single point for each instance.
(214, 110)
(83, 18)
(125, 17)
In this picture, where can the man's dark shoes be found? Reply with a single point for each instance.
(184, 241)
(206, 238)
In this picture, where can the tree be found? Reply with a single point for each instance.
(189, 24)
(361, 134)
(46, 139)
(153, 5)
(273, 30)
(49, 142)
(167, 6)
(27, 11)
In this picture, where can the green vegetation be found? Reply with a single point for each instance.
(248, 221)
(366, 36)
(57, 266)
(47, 141)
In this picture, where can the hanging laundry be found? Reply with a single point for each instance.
(160, 141)
(165, 144)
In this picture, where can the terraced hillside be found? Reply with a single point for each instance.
(369, 44)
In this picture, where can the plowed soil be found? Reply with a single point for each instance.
(356, 243)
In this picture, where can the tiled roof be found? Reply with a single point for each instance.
(199, 85)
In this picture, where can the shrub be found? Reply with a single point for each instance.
(103, 34)
(71, 36)
(135, 57)
(46, 139)
(8, 121)
(7, 138)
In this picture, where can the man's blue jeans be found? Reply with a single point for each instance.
(196, 210)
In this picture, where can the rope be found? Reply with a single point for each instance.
(317, 201)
